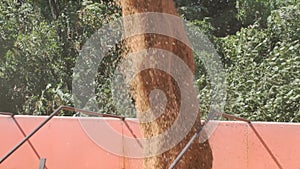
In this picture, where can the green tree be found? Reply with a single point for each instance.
(258, 41)
(263, 74)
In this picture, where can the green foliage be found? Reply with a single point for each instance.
(263, 77)
(39, 50)
(261, 60)
(258, 41)
(49, 99)
(17, 24)
(250, 11)
(221, 14)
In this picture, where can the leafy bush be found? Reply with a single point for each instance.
(263, 77)
(258, 41)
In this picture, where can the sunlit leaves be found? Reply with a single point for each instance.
(263, 79)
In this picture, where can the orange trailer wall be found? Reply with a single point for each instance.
(66, 145)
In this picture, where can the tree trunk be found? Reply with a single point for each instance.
(199, 155)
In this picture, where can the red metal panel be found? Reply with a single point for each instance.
(70, 143)
(62, 142)
(9, 137)
(228, 144)
(274, 146)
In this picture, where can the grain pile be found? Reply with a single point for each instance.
(198, 156)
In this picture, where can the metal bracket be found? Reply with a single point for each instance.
(42, 163)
